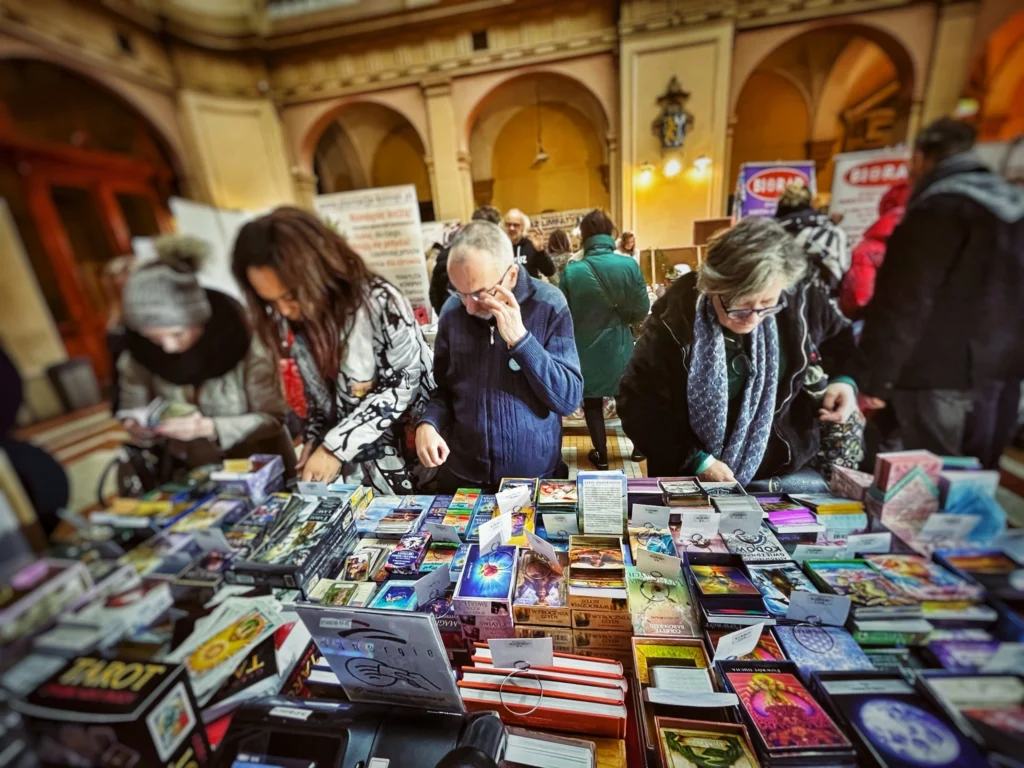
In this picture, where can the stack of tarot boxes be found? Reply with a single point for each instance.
(601, 622)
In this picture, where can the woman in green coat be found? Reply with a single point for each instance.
(606, 294)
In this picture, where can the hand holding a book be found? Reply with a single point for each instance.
(718, 472)
(136, 430)
(430, 446)
(323, 466)
(505, 310)
(188, 428)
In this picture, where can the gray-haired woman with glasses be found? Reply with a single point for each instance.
(739, 363)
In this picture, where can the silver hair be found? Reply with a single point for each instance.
(515, 213)
(749, 257)
(481, 236)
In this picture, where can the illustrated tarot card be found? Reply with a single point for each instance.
(722, 580)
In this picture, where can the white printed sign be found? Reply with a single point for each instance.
(513, 500)
(558, 524)
(868, 543)
(945, 526)
(383, 226)
(432, 586)
(543, 548)
(740, 521)
(814, 552)
(439, 532)
(495, 532)
(658, 564)
(522, 653)
(650, 516)
(819, 608)
(1009, 657)
(859, 181)
(706, 524)
(737, 644)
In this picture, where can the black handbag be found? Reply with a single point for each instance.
(140, 468)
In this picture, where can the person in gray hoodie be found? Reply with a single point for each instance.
(944, 335)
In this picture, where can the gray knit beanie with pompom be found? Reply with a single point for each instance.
(165, 293)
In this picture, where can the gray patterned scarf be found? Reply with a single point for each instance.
(707, 393)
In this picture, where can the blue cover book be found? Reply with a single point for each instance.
(776, 582)
(822, 649)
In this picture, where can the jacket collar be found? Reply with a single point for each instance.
(598, 244)
(523, 290)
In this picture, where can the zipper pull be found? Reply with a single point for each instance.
(492, 335)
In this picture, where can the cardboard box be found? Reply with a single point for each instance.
(598, 599)
(561, 637)
(266, 475)
(596, 640)
(37, 593)
(541, 595)
(497, 620)
(613, 621)
(476, 634)
(625, 658)
(96, 711)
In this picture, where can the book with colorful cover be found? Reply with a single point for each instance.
(895, 725)
(557, 494)
(485, 510)
(440, 555)
(783, 714)
(923, 580)
(695, 542)
(396, 596)
(758, 547)
(465, 500)
(870, 591)
(696, 744)
(653, 540)
(816, 648)
(715, 580)
(826, 503)
(522, 521)
(777, 581)
(659, 606)
(596, 561)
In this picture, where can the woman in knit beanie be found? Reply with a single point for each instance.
(190, 347)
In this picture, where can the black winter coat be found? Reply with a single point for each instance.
(948, 309)
(652, 401)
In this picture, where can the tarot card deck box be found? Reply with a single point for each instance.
(313, 545)
(264, 474)
(986, 706)
(992, 569)
(787, 724)
(894, 725)
(37, 593)
(541, 595)
(110, 712)
(815, 648)
(659, 606)
(487, 582)
(723, 590)
(561, 637)
(698, 743)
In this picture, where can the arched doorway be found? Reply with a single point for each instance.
(997, 82)
(539, 142)
(369, 145)
(83, 173)
(835, 89)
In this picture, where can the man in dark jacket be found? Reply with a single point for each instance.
(534, 259)
(506, 368)
(944, 334)
(439, 284)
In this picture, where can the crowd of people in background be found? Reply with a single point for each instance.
(746, 368)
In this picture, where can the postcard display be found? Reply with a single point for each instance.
(720, 628)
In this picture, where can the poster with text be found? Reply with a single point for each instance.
(552, 220)
(439, 232)
(859, 180)
(760, 185)
(383, 226)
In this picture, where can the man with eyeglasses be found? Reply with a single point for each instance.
(740, 365)
(506, 368)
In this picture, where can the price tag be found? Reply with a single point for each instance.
(704, 523)
(650, 516)
(514, 500)
(432, 586)
(211, 540)
(557, 524)
(495, 532)
(815, 552)
(439, 532)
(818, 608)
(543, 548)
(868, 543)
(945, 526)
(1009, 657)
(739, 643)
(522, 653)
(745, 521)
(658, 564)
(312, 488)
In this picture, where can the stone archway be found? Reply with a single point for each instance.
(997, 82)
(365, 145)
(855, 84)
(507, 128)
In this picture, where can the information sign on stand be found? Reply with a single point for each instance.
(859, 180)
(383, 226)
(760, 185)
(385, 657)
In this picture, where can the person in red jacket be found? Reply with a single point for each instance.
(859, 281)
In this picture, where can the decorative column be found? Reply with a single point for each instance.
(305, 186)
(615, 178)
(451, 199)
(950, 63)
(728, 183)
(469, 186)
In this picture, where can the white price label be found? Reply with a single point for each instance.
(543, 548)
(522, 653)
(514, 500)
(815, 552)
(432, 586)
(818, 608)
(868, 543)
(558, 524)
(439, 532)
(736, 521)
(706, 524)
(658, 564)
(946, 526)
(650, 516)
(495, 532)
(737, 644)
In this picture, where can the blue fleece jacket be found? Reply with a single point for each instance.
(500, 409)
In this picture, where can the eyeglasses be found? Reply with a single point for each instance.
(746, 314)
(477, 295)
